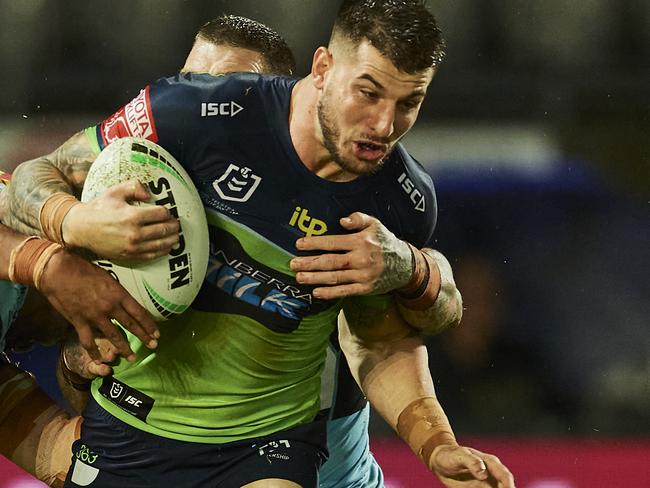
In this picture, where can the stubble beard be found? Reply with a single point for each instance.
(331, 134)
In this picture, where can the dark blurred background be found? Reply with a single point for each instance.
(536, 133)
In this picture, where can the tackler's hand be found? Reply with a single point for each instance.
(465, 467)
(369, 260)
(114, 229)
(90, 299)
(78, 361)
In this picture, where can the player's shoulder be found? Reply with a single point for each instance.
(406, 184)
(410, 180)
(239, 85)
(405, 162)
(201, 96)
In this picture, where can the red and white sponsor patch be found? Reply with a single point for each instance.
(135, 119)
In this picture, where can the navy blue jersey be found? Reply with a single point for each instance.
(231, 134)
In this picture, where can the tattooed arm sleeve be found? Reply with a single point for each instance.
(64, 170)
(447, 311)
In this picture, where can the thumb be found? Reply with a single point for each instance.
(129, 191)
(100, 369)
(356, 221)
(476, 466)
(455, 460)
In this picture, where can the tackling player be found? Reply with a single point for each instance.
(88, 298)
(61, 276)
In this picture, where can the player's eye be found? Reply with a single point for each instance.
(369, 94)
(410, 104)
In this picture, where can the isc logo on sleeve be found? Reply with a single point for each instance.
(414, 194)
(229, 109)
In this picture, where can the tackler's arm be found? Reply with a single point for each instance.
(390, 363)
(41, 200)
(34, 182)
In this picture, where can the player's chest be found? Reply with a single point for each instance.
(281, 204)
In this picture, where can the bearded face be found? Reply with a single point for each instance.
(366, 106)
(330, 128)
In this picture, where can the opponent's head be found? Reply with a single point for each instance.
(232, 43)
(372, 78)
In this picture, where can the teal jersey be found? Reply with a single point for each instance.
(351, 464)
(12, 295)
(246, 359)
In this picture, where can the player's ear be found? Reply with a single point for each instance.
(321, 64)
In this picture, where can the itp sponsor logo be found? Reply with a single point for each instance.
(228, 109)
(311, 226)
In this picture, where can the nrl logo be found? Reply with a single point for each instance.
(116, 390)
(236, 184)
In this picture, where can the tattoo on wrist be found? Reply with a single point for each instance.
(398, 264)
(74, 379)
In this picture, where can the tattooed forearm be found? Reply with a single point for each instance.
(34, 181)
(73, 159)
(74, 359)
(446, 311)
(398, 265)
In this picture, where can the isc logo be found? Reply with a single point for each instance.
(309, 225)
(416, 197)
(133, 401)
(229, 109)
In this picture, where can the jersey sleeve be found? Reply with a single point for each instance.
(431, 216)
(419, 205)
(135, 119)
(175, 113)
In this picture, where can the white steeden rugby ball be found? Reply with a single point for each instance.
(167, 285)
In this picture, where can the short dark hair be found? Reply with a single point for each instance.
(246, 33)
(402, 30)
